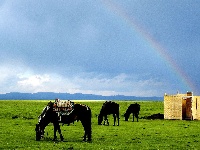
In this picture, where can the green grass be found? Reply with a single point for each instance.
(18, 119)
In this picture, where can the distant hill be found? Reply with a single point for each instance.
(68, 96)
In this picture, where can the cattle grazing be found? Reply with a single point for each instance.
(134, 109)
(49, 115)
(107, 109)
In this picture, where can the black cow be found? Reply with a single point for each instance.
(79, 112)
(107, 109)
(133, 108)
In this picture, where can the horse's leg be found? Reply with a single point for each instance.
(59, 131)
(89, 126)
(114, 119)
(104, 120)
(85, 129)
(107, 120)
(55, 130)
(85, 132)
(88, 129)
(133, 116)
(57, 127)
(136, 115)
(89, 132)
(117, 119)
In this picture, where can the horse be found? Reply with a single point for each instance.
(49, 115)
(107, 109)
(134, 109)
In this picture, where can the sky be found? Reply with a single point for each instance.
(103, 47)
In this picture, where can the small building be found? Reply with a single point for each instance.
(182, 106)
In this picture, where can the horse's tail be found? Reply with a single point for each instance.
(89, 114)
(138, 107)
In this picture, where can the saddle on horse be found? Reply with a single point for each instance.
(63, 107)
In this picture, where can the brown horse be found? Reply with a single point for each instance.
(134, 109)
(107, 109)
(79, 112)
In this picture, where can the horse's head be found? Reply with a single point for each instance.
(126, 116)
(39, 132)
(100, 119)
(43, 120)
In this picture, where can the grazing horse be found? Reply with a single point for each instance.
(107, 109)
(79, 112)
(133, 108)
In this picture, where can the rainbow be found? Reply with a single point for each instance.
(159, 49)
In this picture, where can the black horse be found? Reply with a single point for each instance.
(107, 109)
(134, 109)
(79, 112)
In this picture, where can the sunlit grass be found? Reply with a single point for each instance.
(18, 119)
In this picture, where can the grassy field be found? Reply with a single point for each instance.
(18, 119)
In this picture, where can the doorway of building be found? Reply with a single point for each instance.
(187, 108)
